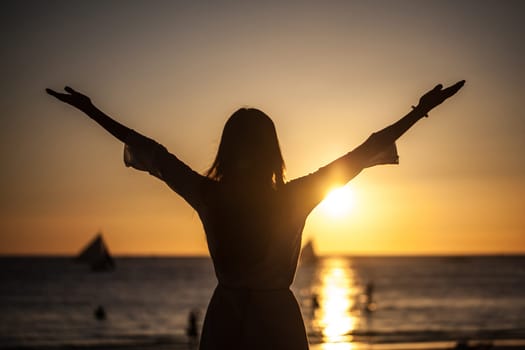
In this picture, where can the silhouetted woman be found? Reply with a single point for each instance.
(253, 219)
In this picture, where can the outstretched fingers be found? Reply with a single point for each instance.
(62, 97)
(74, 93)
(71, 97)
(70, 90)
(451, 90)
(52, 92)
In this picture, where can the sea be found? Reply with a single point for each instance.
(51, 301)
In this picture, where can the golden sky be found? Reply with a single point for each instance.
(328, 73)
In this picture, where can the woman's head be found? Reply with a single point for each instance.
(249, 149)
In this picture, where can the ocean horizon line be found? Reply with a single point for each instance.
(321, 255)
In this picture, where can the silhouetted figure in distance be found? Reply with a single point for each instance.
(370, 306)
(314, 305)
(315, 302)
(192, 330)
(100, 313)
(252, 218)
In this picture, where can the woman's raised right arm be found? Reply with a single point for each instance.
(84, 104)
(141, 152)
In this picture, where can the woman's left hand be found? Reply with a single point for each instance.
(438, 95)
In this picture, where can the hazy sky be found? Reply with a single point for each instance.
(328, 73)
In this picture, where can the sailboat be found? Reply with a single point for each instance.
(308, 255)
(97, 255)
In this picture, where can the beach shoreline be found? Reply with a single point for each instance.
(181, 344)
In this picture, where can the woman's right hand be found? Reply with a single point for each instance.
(83, 103)
(73, 98)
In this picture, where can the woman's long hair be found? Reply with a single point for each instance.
(249, 147)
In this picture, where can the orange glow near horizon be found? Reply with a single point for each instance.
(328, 74)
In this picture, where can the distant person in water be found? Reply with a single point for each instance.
(192, 331)
(252, 217)
(370, 306)
(100, 313)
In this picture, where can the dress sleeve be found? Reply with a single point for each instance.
(308, 191)
(145, 154)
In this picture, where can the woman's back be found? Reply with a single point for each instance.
(254, 235)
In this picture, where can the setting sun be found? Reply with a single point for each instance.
(339, 201)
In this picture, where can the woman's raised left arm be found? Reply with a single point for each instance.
(379, 148)
(427, 102)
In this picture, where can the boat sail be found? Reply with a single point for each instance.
(97, 255)
(308, 255)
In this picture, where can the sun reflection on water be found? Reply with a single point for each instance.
(336, 301)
